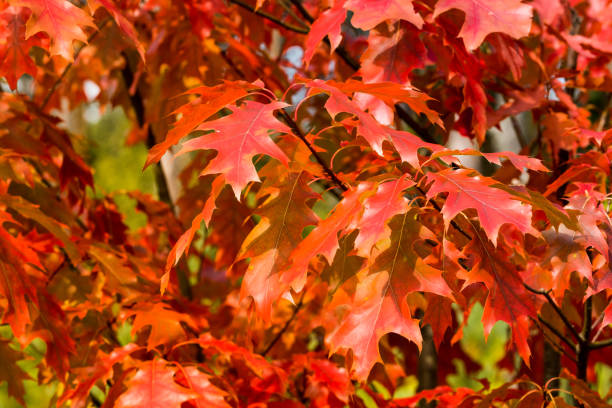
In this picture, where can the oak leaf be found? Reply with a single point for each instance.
(61, 20)
(367, 14)
(237, 138)
(495, 207)
(482, 17)
(153, 386)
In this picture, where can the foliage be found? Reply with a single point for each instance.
(307, 232)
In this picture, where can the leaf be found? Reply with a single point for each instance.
(507, 300)
(285, 214)
(327, 24)
(165, 323)
(367, 14)
(33, 212)
(439, 315)
(392, 57)
(482, 17)
(518, 161)
(184, 242)
(323, 239)
(238, 138)
(209, 396)
(379, 208)
(14, 53)
(101, 371)
(376, 134)
(379, 304)
(153, 386)
(586, 200)
(192, 114)
(11, 372)
(495, 207)
(123, 23)
(377, 309)
(392, 93)
(61, 20)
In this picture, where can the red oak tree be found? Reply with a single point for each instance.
(316, 238)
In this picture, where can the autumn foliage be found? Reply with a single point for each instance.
(315, 237)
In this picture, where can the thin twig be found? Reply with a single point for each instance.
(600, 344)
(557, 333)
(285, 327)
(67, 68)
(296, 130)
(546, 294)
(290, 11)
(298, 4)
(270, 17)
(556, 347)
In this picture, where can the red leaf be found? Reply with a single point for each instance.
(211, 100)
(153, 386)
(123, 23)
(324, 238)
(482, 17)
(495, 207)
(378, 308)
(209, 396)
(367, 14)
(14, 53)
(327, 24)
(378, 210)
(238, 138)
(61, 20)
(165, 323)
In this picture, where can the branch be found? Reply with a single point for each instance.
(585, 335)
(600, 344)
(557, 333)
(137, 104)
(285, 327)
(298, 4)
(67, 68)
(294, 127)
(270, 17)
(546, 294)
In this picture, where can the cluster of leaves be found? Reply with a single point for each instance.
(315, 242)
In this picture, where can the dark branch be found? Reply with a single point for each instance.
(285, 327)
(270, 17)
(557, 333)
(296, 130)
(546, 294)
(137, 104)
(600, 344)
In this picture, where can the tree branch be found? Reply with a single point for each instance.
(270, 17)
(285, 327)
(546, 294)
(137, 104)
(557, 333)
(294, 127)
(600, 344)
